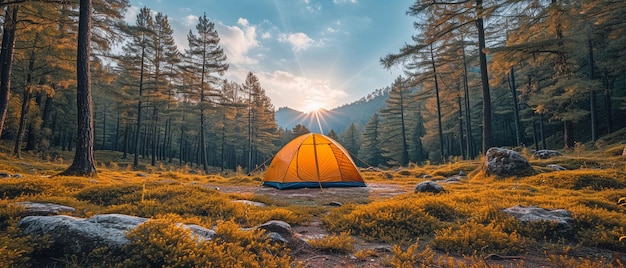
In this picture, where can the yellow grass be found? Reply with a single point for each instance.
(467, 220)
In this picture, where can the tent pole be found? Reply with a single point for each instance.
(317, 167)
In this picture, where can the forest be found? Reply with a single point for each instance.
(179, 150)
(514, 73)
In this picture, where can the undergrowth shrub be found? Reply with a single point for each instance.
(111, 194)
(600, 228)
(17, 250)
(412, 256)
(473, 238)
(20, 188)
(342, 243)
(162, 242)
(442, 210)
(393, 221)
(594, 179)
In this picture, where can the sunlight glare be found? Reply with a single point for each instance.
(312, 106)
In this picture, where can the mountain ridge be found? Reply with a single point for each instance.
(337, 119)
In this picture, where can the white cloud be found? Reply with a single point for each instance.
(131, 15)
(190, 21)
(237, 41)
(299, 92)
(345, 1)
(266, 35)
(298, 41)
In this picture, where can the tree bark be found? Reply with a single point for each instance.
(592, 96)
(84, 162)
(518, 126)
(484, 77)
(6, 59)
(432, 62)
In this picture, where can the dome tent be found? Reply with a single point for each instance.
(312, 160)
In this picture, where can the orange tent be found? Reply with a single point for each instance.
(312, 160)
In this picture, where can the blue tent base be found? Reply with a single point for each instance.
(298, 185)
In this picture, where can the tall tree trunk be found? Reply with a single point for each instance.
(518, 124)
(568, 134)
(607, 101)
(440, 128)
(6, 59)
(592, 95)
(84, 162)
(542, 132)
(155, 115)
(468, 114)
(28, 92)
(535, 138)
(484, 77)
(126, 141)
(117, 134)
(139, 103)
(30, 134)
(461, 132)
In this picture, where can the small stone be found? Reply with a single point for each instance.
(44, 209)
(428, 187)
(545, 154)
(17, 176)
(335, 204)
(556, 167)
(143, 175)
(250, 203)
(5, 175)
(462, 174)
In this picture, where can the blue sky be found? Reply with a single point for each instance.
(307, 54)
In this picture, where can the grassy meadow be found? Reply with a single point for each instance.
(463, 227)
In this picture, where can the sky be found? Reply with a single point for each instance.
(307, 54)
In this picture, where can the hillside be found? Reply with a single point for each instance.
(338, 119)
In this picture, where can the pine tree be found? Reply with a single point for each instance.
(84, 162)
(397, 119)
(205, 59)
(6, 60)
(351, 139)
(370, 151)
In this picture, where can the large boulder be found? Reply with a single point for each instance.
(505, 163)
(428, 187)
(76, 235)
(558, 220)
(73, 235)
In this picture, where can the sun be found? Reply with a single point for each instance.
(312, 106)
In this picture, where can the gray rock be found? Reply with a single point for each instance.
(556, 167)
(563, 218)
(545, 154)
(280, 227)
(44, 209)
(504, 163)
(250, 203)
(75, 235)
(428, 187)
(454, 179)
(280, 232)
(462, 174)
(5, 175)
(143, 175)
(200, 233)
(335, 204)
